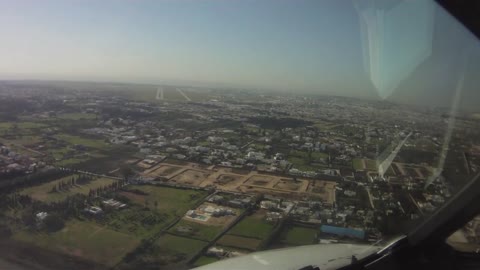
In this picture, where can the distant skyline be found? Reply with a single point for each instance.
(304, 46)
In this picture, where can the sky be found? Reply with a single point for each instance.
(306, 46)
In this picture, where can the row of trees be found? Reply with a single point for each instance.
(43, 176)
(67, 184)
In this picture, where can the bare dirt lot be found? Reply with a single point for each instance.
(262, 181)
(162, 170)
(290, 185)
(191, 177)
(228, 179)
(323, 189)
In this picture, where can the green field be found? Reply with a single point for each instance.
(325, 125)
(371, 165)
(301, 164)
(76, 116)
(302, 161)
(85, 240)
(298, 236)
(77, 159)
(139, 221)
(199, 231)
(93, 143)
(169, 200)
(204, 260)
(21, 125)
(180, 245)
(304, 154)
(357, 164)
(239, 242)
(43, 191)
(252, 227)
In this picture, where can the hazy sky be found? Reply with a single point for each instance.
(312, 45)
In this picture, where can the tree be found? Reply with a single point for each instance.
(54, 222)
(28, 218)
(147, 203)
(126, 171)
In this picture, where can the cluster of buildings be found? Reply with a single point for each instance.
(109, 204)
(271, 134)
(13, 163)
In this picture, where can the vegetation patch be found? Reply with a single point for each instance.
(239, 242)
(253, 227)
(76, 116)
(358, 164)
(167, 200)
(298, 236)
(60, 189)
(180, 245)
(77, 140)
(204, 260)
(195, 230)
(85, 240)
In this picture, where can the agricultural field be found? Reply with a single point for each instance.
(180, 245)
(138, 221)
(253, 226)
(235, 241)
(371, 165)
(196, 230)
(302, 161)
(92, 143)
(84, 240)
(20, 127)
(358, 164)
(171, 201)
(304, 155)
(77, 160)
(298, 236)
(77, 116)
(204, 260)
(45, 193)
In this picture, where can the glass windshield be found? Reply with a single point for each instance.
(174, 134)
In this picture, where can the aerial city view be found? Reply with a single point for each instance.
(181, 177)
(193, 134)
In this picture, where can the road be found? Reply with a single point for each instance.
(160, 93)
(383, 167)
(370, 197)
(183, 94)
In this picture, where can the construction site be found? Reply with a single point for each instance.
(228, 179)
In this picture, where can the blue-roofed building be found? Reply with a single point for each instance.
(341, 231)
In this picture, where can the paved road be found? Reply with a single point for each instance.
(183, 94)
(160, 93)
(382, 168)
